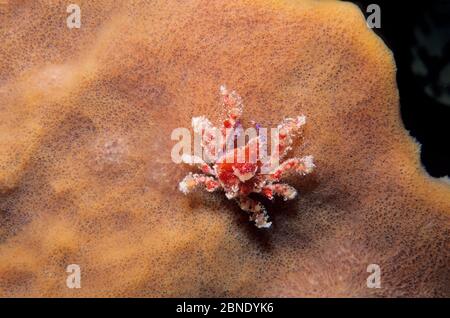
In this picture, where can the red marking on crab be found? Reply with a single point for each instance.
(268, 193)
(227, 124)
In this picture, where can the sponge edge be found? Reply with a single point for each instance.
(139, 70)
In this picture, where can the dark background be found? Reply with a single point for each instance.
(418, 32)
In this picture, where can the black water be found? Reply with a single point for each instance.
(418, 32)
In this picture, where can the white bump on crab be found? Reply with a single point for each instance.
(223, 90)
(309, 163)
(186, 184)
(191, 160)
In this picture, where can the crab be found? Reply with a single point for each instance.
(240, 169)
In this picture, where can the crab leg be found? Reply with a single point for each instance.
(231, 126)
(288, 129)
(302, 166)
(281, 189)
(256, 210)
(191, 181)
(214, 140)
(233, 103)
(211, 137)
(199, 163)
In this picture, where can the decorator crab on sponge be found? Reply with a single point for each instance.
(240, 168)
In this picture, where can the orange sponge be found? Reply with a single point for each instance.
(86, 175)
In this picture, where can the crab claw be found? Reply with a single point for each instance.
(257, 212)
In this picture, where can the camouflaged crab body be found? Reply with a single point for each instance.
(225, 170)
